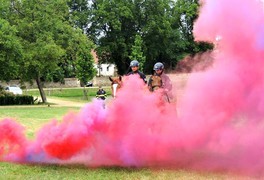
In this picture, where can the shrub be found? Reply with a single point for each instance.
(7, 98)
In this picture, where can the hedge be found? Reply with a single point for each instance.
(10, 99)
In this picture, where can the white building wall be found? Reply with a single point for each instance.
(105, 69)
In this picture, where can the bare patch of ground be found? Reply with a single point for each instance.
(64, 103)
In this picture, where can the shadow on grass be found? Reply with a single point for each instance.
(84, 167)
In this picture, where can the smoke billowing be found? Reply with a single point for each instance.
(219, 125)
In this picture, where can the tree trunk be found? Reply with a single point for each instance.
(41, 91)
(85, 93)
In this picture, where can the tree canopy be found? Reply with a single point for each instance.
(137, 52)
(11, 51)
(165, 27)
(46, 38)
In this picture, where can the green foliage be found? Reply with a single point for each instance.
(42, 40)
(79, 12)
(137, 52)
(84, 61)
(10, 99)
(38, 25)
(112, 27)
(165, 27)
(10, 51)
(160, 32)
(189, 13)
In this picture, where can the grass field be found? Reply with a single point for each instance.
(78, 172)
(34, 117)
(73, 94)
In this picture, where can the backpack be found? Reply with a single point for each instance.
(155, 82)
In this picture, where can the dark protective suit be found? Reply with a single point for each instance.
(141, 75)
(101, 94)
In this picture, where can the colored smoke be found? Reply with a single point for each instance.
(220, 118)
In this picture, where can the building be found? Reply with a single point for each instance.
(103, 69)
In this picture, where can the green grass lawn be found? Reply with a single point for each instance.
(34, 117)
(79, 172)
(16, 171)
(73, 94)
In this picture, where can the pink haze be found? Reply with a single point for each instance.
(219, 123)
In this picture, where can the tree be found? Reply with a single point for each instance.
(79, 13)
(137, 52)
(10, 51)
(165, 26)
(159, 32)
(113, 29)
(188, 10)
(45, 31)
(83, 62)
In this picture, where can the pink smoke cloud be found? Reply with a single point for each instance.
(219, 125)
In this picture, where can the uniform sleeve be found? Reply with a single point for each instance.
(143, 76)
(145, 79)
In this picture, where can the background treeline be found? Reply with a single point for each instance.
(147, 30)
(40, 41)
(47, 40)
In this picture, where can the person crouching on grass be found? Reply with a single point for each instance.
(101, 94)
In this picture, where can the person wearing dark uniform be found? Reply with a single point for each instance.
(134, 65)
(101, 94)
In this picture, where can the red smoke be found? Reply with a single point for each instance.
(220, 121)
(11, 138)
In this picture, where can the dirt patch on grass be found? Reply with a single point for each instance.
(64, 103)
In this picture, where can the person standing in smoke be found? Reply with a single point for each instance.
(134, 65)
(159, 80)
